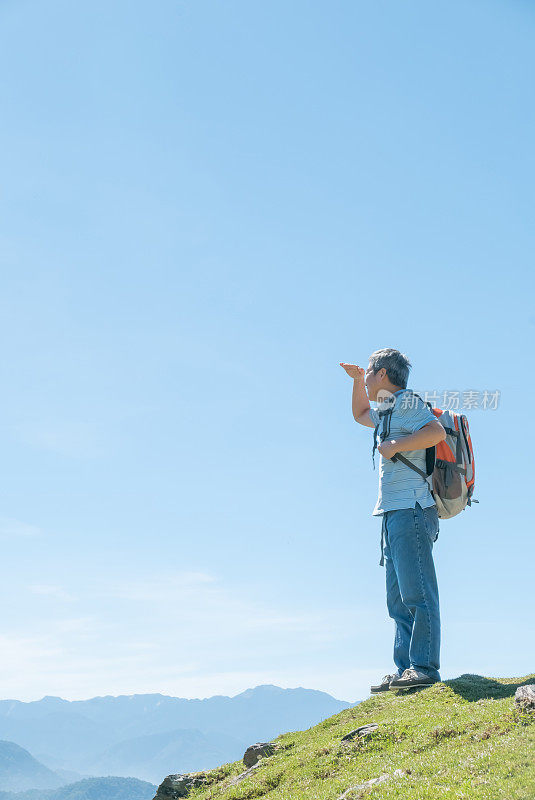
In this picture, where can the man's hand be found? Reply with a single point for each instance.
(357, 373)
(388, 448)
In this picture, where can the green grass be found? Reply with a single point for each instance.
(462, 738)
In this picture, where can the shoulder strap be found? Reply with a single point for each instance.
(399, 457)
(385, 416)
(426, 402)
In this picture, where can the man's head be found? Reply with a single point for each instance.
(388, 371)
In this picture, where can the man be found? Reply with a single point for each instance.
(409, 514)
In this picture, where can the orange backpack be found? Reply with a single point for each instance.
(450, 469)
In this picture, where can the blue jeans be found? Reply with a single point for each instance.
(411, 587)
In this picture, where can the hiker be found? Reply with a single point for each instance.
(409, 513)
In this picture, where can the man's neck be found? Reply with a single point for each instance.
(393, 389)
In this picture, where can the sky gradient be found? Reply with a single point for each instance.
(206, 207)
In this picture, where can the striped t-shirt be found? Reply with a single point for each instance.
(399, 485)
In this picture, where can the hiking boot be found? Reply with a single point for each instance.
(412, 677)
(385, 683)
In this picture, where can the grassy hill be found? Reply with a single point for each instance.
(462, 738)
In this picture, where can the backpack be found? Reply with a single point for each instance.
(450, 469)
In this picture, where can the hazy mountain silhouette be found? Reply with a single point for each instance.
(103, 734)
(19, 770)
(149, 756)
(91, 789)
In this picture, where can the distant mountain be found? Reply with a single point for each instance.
(54, 730)
(22, 777)
(150, 757)
(19, 770)
(68, 775)
(101, 735)
(91, 789)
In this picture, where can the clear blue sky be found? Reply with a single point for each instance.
(205, 207)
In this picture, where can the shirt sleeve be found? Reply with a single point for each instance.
(374, 415)
(415, 416)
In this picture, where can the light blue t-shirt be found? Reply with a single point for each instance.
(399, 485)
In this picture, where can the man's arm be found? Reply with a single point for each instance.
(429, 435)
(365, 419)
(360, 404)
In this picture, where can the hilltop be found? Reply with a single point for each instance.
(461, 738)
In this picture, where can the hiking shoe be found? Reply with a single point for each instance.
(411, 677)
(385, 683)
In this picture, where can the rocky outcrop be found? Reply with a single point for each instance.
(180, 785)
(364, 730)
(252, 758)
(525, 697)
(176, 786)
(237, 778)
(257, 751)
(349, 793)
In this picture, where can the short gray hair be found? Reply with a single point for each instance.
(397, 365)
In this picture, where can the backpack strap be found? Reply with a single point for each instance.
(430, 452)
(439, 463)
(427, 403)
(451, 431)
(457, 437)
(386, 417)
(399, 457)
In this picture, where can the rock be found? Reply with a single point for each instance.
(175, 786)
(364, 730)
(257, 751)
(237, 778)
(398, 773)
(384, 777)
(525, 697)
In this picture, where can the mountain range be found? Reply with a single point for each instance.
(150, 735)
(22, 777)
